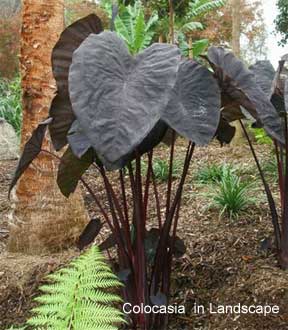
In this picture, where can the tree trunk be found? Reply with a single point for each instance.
(236, 33)
(190, 45)
(44, 220)
(236, 27)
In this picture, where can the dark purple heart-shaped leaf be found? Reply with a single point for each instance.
(264, 74)
(279, 103)
(194, 109)
(89, 233)
(31, 150)
(151, 243)
(278, 81)
(231, 113)
(63, 117)
(278, 88)
(266, 244)
(179, 247)
(241, 86)
(151, 140)
(117, 98)
(61, 109)
(225, 132)
(70, 39)
(124, 274)
(71, 169)
(110, 241)
(78, 141)
(159, 300)
(155, 136)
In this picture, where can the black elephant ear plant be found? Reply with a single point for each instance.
(261, 95)
(110, 112)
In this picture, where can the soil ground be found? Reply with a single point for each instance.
(225, 262)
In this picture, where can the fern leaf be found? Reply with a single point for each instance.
(75, 300)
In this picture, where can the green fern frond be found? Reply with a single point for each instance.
(75, 299)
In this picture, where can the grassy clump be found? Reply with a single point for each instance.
(213, 173)
(161, 169)
(231, 194)
(270, 168)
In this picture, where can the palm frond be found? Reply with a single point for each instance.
(192, 26)
(201, 7)
(132, 27)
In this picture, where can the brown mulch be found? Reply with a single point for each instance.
(224, 262)
(6, 171)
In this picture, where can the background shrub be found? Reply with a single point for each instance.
(10, 103)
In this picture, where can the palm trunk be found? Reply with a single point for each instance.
(44, 220)
(190, 45)
(236, 33)
(236, 27)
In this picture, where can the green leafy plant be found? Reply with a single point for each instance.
(270, 167)
(261, 136)
(213, 173)
(189, 23)
(77, 297)
(161, 169)
(10, 103)
(281, 20)
(132, 26)
(231, 195)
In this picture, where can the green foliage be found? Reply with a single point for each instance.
(198, 47)
(270, 168)
(202, 7)
(190, 22)
(213, 173)
(197, 9)
(261, 136)
(77, 297)
(282, 20)
(162, 7)
(138, 34)
(231, 195)
(161, 169)
(10, 103)
(133, 28)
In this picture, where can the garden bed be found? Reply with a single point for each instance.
(225, 262)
